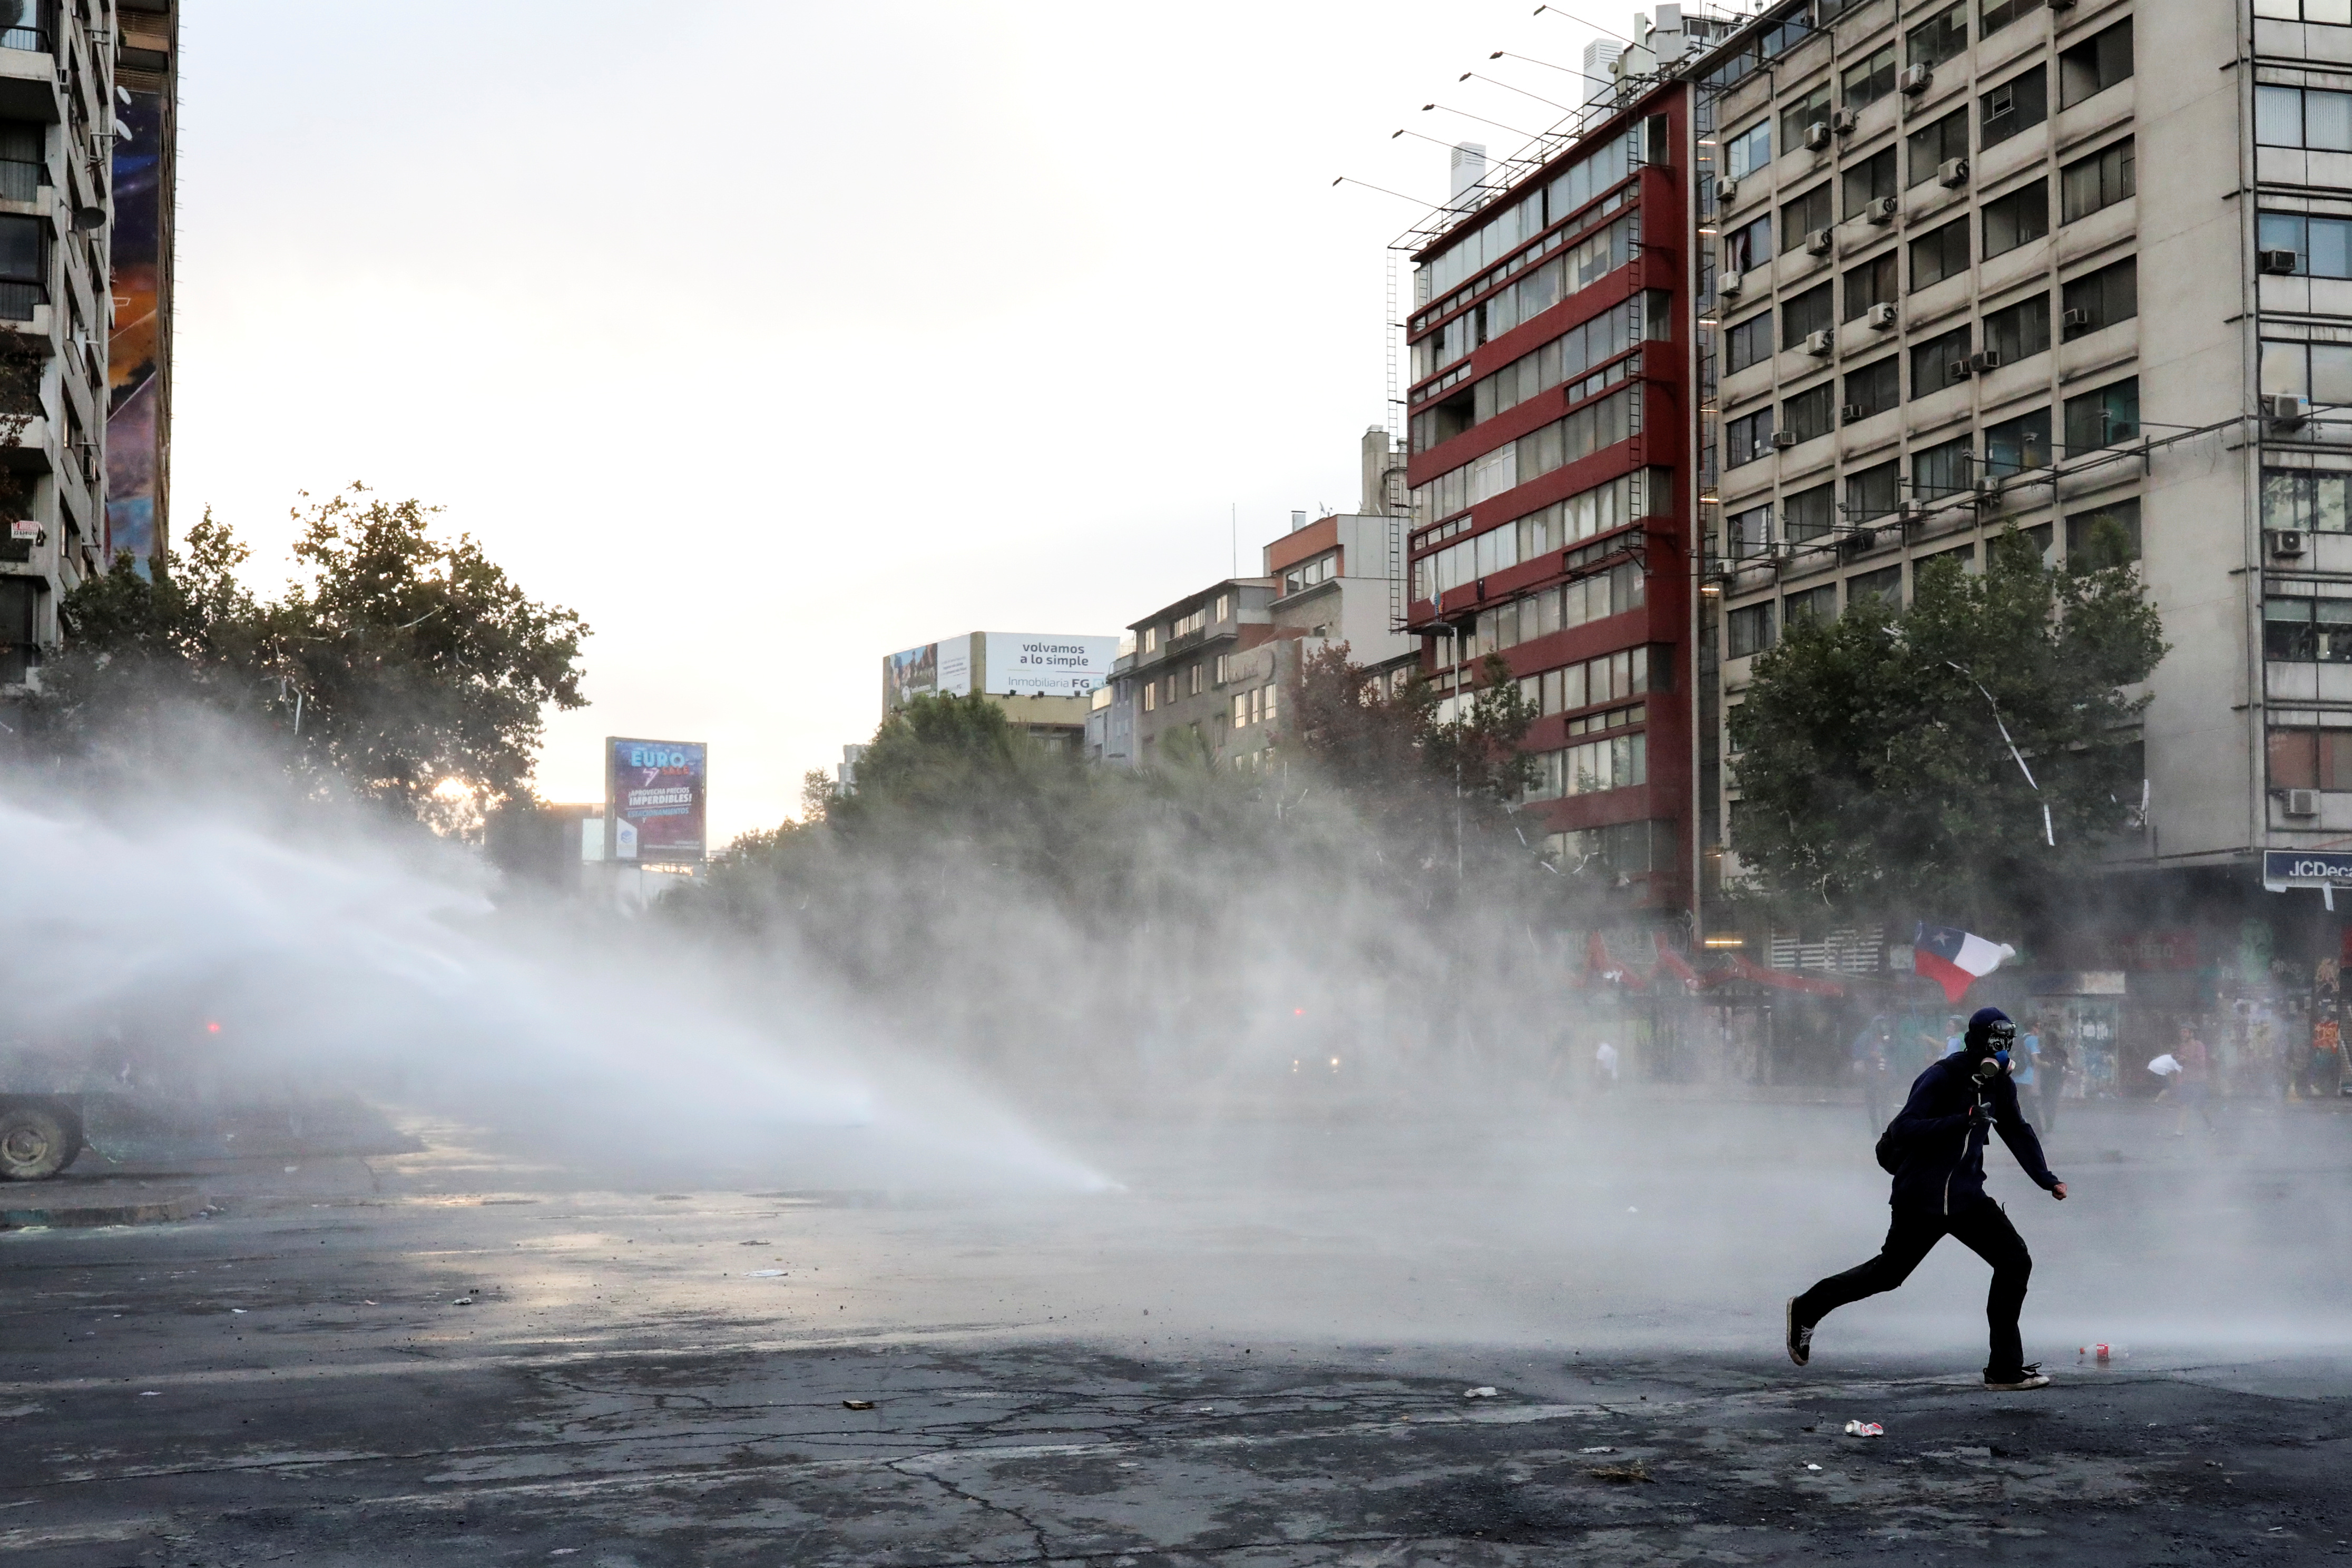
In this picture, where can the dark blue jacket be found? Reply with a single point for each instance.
(1942, 1150)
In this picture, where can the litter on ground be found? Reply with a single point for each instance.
(1477, 1394)
(1864, 1429)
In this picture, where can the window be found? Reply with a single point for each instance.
(1964, 557)
(1748, 534)
(1874, 492)
(1874, 388)
(1927, 150)
(2304, 117)
(1568, 356)
(1942, 253)
(1193, 681)
(2337, 12)
(1747, 342)
(1152, 639)
(1811, 413)
(2018, 445)
(1812, 605)
(1224, 609)
(1869, 180)
(2101, 180)
(2321, 245)
(24, 161)
(2307, 500)
(2104, 536)
(2311, 759)
(1747, 150)
(1151, 697)
(1807, 313)
(1873, 80)
(1871, 283)
(1810, 514)
(1999, 14)
(2018, 218)
(1803, 216)
(1933, 43)
(1749, 246)
(24, 265)
(1943, 470)
(2095, 64)
(2103, 418)
(2307, 631)
(2017, 104)
(2102, 298)
(1745, 440)
(2019, 330)
(2320, 371)
(1802, 115)
(1748, 631)
(1883, 586)
(1188, 623)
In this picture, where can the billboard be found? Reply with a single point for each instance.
(135, 348)
(656, 794)
(940, 666)
(1040, 664)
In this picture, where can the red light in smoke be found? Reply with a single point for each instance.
(1298, 1012)
(212, 1028)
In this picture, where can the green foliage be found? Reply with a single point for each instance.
(401, 664)
(1874, 778)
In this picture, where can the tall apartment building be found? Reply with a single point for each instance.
(1551, 341)
(59, 126)
(139, 351)
(1948, 305)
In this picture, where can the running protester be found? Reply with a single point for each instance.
(1935, 1150)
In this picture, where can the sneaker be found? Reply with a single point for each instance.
(1800, 1337)
(2028, 1377)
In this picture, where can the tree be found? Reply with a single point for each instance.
(418, 664)
(1874, 776)
(409, 670)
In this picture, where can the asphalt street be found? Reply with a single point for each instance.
(1259, 1348)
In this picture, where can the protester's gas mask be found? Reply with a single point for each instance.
(1991, 1050)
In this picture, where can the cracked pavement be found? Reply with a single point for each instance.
(1256, 1354)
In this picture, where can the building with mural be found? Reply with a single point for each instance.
(61, 122)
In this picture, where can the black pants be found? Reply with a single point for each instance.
(1980, 1226)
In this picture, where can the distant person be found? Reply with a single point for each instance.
(2057, 1061)
(1604, 1066)
(1870, 1048)
(1936, 1151)
(2193, 1084)
(1955, 1035)
(2023, 1064)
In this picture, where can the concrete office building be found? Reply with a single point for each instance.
(60, 121)
(1043, 683)
(1951, 305)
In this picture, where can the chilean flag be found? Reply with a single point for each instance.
(1955, 959)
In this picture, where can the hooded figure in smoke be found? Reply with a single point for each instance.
(1935, 1150)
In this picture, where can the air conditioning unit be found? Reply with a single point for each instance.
(2278, 263)
(1817, 135)
(1959, 370)
(1727, 190)
(1952, 172)
(2302, 803)
(1917, 79)
(1881, 316)
(1727, 285)
(1908, 513)
(1988, 488)
(2284, 410)
(1849, 412)
(2286, 542)
(2076, 320)
(1821, 242)
(1845, 120)
(1883, 209)
(1818, 344)
(1860, 541)
(1783, 440)
(1981, 362)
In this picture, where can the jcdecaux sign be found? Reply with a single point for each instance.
(2284, 869)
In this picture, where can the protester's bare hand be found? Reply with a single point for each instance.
(2059, 1192)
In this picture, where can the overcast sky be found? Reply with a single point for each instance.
(776, 337)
